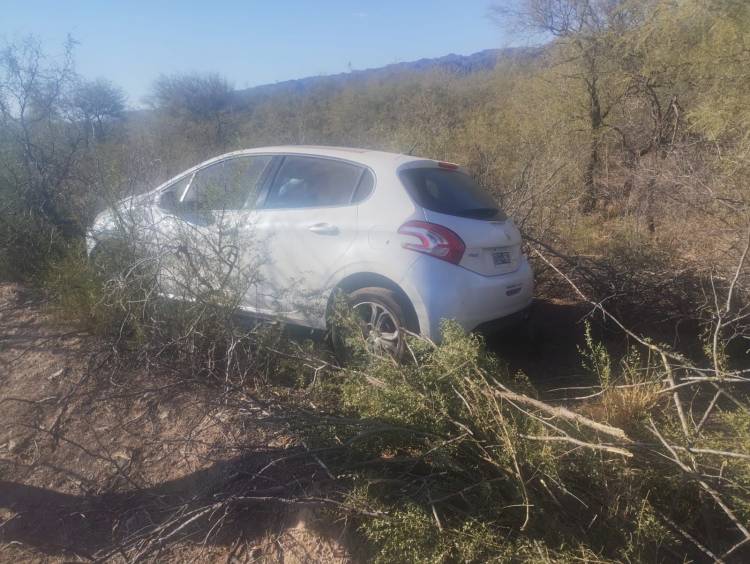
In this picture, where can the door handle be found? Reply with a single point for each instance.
(324, 229)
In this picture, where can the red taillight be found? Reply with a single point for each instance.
(432, 239)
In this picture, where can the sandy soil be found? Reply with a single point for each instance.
(95, 457)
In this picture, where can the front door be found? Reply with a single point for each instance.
(208, 232)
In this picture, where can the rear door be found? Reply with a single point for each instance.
(308, 223)
(451, 198)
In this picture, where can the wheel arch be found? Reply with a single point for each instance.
(367, 279)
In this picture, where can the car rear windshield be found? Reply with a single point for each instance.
(451, 192)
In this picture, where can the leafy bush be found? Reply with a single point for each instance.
(454, 459)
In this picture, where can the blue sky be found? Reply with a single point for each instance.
(250, 42)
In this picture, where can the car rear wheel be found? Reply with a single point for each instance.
(380, 321)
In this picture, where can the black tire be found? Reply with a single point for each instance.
(383, 322)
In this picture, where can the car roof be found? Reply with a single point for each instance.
(377, 160)
(374, 159)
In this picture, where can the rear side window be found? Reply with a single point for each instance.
(310, 182)
(451, 192)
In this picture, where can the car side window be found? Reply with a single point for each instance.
(364, 188)
(227, 185)
(169, 197)
(308, 182)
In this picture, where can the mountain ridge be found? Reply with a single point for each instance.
(486, 59)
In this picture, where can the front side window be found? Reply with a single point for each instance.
(227, 185)
(451, 192)
(308, 182)
(169, 197)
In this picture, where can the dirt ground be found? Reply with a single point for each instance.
(103, 461)
(96, 458)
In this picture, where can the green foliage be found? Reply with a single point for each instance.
(734, 432)
(595, 358)
(465, 474)
(76, 289)
(630, 390)
(409, 536)
(28, 242)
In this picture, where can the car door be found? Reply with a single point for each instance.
(308, 223)
(213, 256)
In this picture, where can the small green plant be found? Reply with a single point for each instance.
(629, 393)
(595, 358)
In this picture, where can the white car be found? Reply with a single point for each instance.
(411, 241)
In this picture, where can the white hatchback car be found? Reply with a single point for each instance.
(411, 241)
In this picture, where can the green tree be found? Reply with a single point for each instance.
(202, 99)
(99, 102)
(42, 134)
(587, 51)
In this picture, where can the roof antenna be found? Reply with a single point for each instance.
(411, 150)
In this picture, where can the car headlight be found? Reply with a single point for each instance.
(103, 223)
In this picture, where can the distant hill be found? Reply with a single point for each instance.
(457, 64)
(461, 65)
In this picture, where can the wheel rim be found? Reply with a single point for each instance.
(380, 328)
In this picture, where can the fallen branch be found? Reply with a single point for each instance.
(703, 484)
(562, 413)
(567, 439)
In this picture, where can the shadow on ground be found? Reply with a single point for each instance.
(103, 460)
(245, 496)
(550, 354)
(548, 351)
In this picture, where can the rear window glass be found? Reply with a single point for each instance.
(451, 192)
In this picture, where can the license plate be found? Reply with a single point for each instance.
(501, 258)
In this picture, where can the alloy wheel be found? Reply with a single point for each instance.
(380, 329)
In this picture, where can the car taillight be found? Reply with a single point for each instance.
(434, 240)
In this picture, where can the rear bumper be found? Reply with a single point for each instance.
(440, 290)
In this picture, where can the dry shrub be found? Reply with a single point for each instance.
(629, 391)
(628, 406)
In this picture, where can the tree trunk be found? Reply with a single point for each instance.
(590, 197)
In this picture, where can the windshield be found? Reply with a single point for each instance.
(451, 192)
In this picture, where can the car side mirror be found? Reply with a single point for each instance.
(168, 201)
